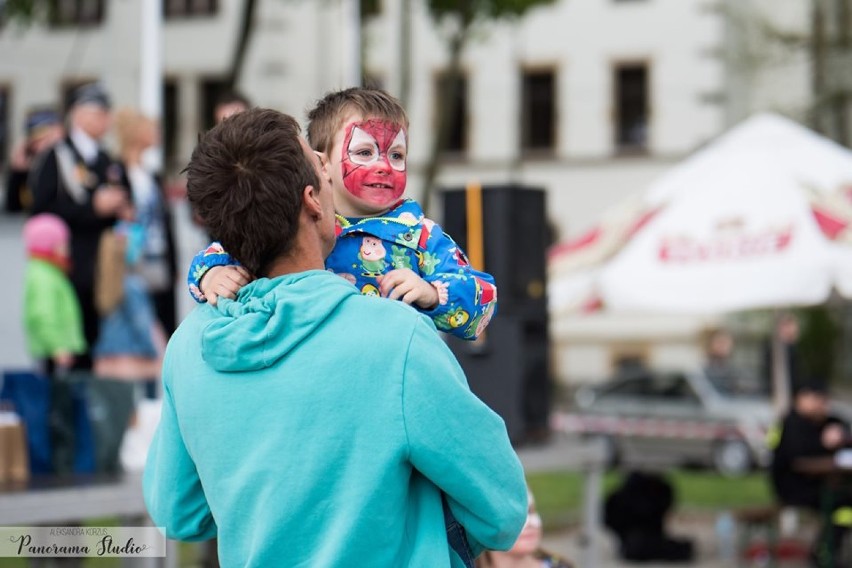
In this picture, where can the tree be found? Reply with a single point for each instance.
(761, 43)
(460, 18)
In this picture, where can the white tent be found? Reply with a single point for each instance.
(761, 217)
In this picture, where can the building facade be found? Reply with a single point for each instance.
(590, 100)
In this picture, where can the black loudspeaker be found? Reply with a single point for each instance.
(509, 369)
(515, 235)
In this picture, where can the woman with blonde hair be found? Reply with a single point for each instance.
(132, 343)
(137, 136)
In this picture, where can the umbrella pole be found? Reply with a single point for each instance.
(780, 373)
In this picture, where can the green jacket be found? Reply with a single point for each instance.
(307, 425)
(52, 318)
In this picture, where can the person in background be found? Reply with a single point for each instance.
(157, 264)
(636, 513)
(83, 185)
(809, 430)
(229, 104)
(43, 128)
(718, 367)
(793, 368)
(527, 551)
(53, 325)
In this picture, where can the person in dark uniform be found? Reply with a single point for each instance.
(809, 430)
(43, 128)
(81, 183)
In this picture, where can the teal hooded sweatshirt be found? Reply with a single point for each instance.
(304, 424)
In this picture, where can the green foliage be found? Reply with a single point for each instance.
(23, 11)
(559, 494)
(818, 343)
(471, 10)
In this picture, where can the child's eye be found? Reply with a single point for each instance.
(397, 156)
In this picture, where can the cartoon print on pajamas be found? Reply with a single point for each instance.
(372, 255)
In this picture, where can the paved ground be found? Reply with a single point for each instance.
(557, 455)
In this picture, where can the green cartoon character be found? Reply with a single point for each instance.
(372, 255)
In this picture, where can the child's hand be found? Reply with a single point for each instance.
(223, 282)
(404, 284)
(63, 360)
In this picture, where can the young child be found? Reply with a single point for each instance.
(385, 245)
(53, 324)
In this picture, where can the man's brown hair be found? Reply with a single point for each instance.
(245, 182)
(327, 116)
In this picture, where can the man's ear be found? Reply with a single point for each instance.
(311, 202)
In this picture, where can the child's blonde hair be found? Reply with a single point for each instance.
(327, 116)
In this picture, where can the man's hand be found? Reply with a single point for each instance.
(223, 282)
(833, 436)
(109, 201)
(404, 284)
(19, 159)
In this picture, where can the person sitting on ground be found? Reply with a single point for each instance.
(303, 423)
(636, 513)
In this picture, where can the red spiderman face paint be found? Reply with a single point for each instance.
(373, 162)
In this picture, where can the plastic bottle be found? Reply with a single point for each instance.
(726, 536)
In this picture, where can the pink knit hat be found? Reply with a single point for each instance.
(44, 233)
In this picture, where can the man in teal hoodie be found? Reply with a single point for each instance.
(304, 424)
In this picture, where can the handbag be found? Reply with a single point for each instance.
(110, 268)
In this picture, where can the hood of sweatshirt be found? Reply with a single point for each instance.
(269, 318)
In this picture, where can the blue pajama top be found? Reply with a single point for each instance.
(368, 247)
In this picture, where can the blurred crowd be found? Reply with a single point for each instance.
(99, 294)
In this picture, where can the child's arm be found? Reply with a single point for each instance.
(467, 298)
(225, 277)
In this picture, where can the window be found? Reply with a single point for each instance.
(170, 125)
(189, 8)
(211, 90)
(64, 13)
(631, 102)
(456, 139)
(5, 130)
(538, 111)
(674, 388)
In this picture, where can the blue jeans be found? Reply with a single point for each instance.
(456, 535)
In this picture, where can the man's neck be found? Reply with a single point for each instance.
(298, 260)
(85, 144)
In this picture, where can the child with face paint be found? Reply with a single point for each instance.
(385, 244)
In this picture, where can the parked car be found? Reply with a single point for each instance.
(676, 418)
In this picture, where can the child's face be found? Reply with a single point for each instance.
(368, 166)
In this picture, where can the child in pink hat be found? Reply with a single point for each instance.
(53, 323)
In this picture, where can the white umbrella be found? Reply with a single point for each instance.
(759, 218)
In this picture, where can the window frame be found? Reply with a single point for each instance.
(619, 148)
(523, 114)
(438, 77)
